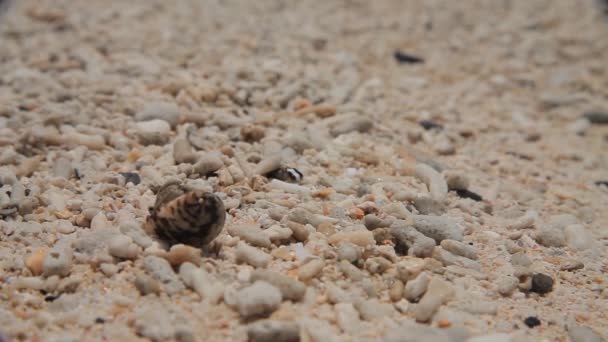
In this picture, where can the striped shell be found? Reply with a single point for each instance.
(188, 217)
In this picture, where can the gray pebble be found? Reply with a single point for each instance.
(459, 248)
(259, 299)
(571, 265)
(414, 289)
(290, 288)
(273, 331)
(58, 261)
(426, 308)
(161, 270)
(251, 255)
(597, 117)
(438, 227)
(372, 222)
(349, 252)
(579, 333)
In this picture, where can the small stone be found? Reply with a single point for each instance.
(201, 282)
(549, 236)
(347, 317)
(527, 220)
(542, 283)
(153, 132)
(351, 122)
(290, 288)
(183, 152)
(579, 333)
(459, 248)
(448, 258)
(146, 284)
(252, 132)
(571, 265)
(426, 308)
(121, 246)
(498, 337)
(456, 180)
(350, 271)
(377, 265)
(414, 289)
(259, 299)
(62, 167)
(179, 254)
(250, 233)
(35, 260)
(208, 163)
(531, 321)
(161, 270)
(409, 268)
(506, 285)
(166, 111)
(395, 292)
(310, 270)
(372, 309)
(417, 244)
(300, 233)
(597, 117)
(108, 269)
(362, 238)
(428, 205)
(438, 227)
(131, 177)
(251, 255)
(580, 126)
(273, 331)
(349, 252)
(57, 261)
(278, 234)
(578, 237)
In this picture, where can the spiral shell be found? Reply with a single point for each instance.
(190, 217)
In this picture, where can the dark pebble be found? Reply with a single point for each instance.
(597, 117)
(532, 322)
(403, 58)
(468, 194)
(131, 177)
(541, 283)
(50, 298)
(428, 124)
(603, 182)
(100, 320)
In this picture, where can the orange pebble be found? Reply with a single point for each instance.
(444, 323)
(34, 261)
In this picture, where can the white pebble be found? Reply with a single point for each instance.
(259, 299)
(251, 255)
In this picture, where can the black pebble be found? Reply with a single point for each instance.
(403, 58)
(428, 124)
(541, 283)
(100, 320)
(50, 298)
(468, 194)
(532, 322)
(131, 177)
(597, 117)
(602, 182)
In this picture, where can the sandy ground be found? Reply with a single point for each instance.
(452, 196)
